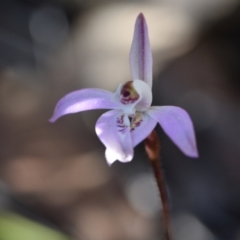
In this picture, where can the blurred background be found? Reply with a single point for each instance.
(55, 183)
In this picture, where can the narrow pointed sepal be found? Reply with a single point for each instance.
(177, 124)
(83, 100)
(140, 53)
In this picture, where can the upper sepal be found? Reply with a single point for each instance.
(140, 53)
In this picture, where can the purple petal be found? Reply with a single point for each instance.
(141, 126)
(177, 124)
(114, 132)
(140, 53)
(82, 100)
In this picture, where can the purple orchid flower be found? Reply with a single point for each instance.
(132, 118)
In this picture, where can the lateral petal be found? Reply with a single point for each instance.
(113, 129)
(141, 126)
(177, 124)
(140, 52)
(83, 100)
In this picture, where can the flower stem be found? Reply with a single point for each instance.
(152, 147)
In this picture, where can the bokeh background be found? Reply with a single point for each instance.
(55, 183)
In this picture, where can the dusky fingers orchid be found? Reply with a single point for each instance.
(132, 118)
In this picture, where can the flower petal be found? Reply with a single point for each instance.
(113, 129)
(141, 126)
(177, 124)
(82, 100)
(140, 53)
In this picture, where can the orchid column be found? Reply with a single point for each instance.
(132, 118)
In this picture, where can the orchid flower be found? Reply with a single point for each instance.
(132, 118)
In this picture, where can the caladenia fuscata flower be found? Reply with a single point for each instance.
(132, 118)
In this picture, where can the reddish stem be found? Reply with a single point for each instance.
(152, 147)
